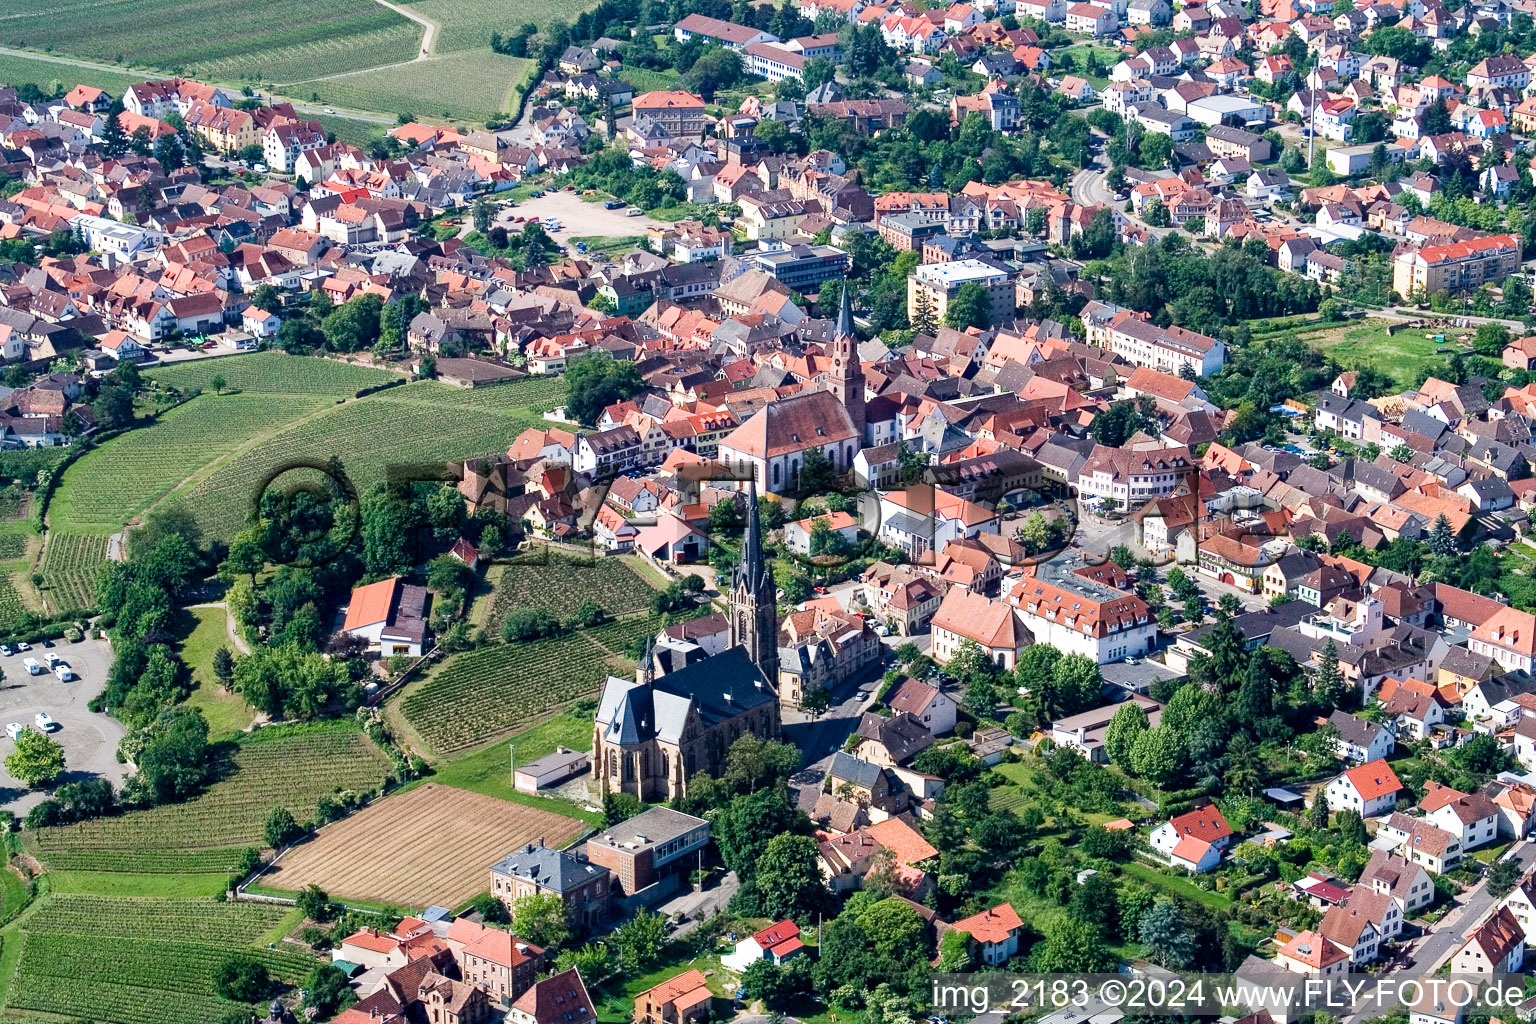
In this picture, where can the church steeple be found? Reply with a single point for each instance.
(845, 378)
(753, 606)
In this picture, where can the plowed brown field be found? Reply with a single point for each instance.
(431, 846)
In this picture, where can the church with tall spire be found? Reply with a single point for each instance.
(845, 377)
(655, 732)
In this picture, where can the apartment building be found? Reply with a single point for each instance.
(1456, 267)
(940, 282)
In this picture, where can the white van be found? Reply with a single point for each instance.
(33, 668)
(64, 672)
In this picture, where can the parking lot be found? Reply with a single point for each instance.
(89, 739)
(578, 218)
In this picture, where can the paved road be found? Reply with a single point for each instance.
(1471, 907)
(1090, 188)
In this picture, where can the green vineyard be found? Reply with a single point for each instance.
(272, 373)
(77, 951)
(71, 564)
(292, 768)
(559, 584)
(483, 693)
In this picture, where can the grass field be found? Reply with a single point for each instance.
(78, 952)
(204, 632)
(289, 766)
(1403, 356)
(214, 452)
(468, 85)
(472, 697)
(284, 40)
(441, 841)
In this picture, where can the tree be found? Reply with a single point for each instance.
(1157, 755)
(816, 700)
(267, 298)
(243, 979)
(1436, 119)
(1402, 453)
(172, 756)
(1125, 728)
(1329, 684)
(1071, 947)
(745, 826)
(969, 307)
(1442, 541)
(1490, 340)
(354, 325)
(542, 920)
(1156, 152)
(1317, 814)
(788, 878)
(596, 381)
(37, 760)
(328, 990)
(114, 141)
(638, 941)
(280, 828)
(1502, 877)
(314, 901)
(777, 985)
(1168, 940)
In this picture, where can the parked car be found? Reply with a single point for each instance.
(633, 211)
(33, 668)
(613, 204)
(15, 729)
(23, 647)
(7, 650)
(45, 723)
(53, 658)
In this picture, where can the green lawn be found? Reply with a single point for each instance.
(164, 887)
(226, 712)
(1176, 885)
(487, 770)
(1402, 356)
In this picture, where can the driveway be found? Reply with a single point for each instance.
(89, 739)
(578, 219)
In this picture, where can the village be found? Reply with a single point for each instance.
(828, 493)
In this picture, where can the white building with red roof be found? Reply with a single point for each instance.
(994, 933)
(776, 943)
(1370, 789)
(1193, 841)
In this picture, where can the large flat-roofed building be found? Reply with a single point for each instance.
(801, 267)
(1456, 267)
(652, 845)
(940, 281)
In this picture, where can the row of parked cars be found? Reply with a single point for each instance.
(45, 723)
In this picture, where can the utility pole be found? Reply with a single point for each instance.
(512, 764)
(1312, 128)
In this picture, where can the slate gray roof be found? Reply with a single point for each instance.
(847, 768)
(1355, 731)
(557, 870)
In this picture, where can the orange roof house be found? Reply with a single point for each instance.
(677, 1001)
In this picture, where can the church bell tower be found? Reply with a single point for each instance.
(754, 610)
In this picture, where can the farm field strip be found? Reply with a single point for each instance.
(482, 693)
(294, 770)
(111, 1003)
(170, 862)
(462, 832)
(122, 917)
(168, 966)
